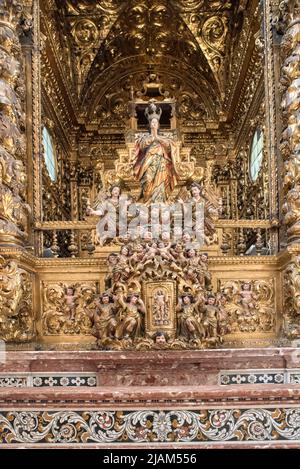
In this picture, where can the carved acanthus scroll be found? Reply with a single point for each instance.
(65, 308)
(16, 310)
(291, 286)
(250, 306)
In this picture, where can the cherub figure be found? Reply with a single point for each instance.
(193, 259)
(147, 236)
(203, 261)
(123, 266)
(70, 300)
(192, 264)
(166, 236)
(211, 318)
(178, 253)
(186, 238)
(160, 339)
(204, 274)
(247, 297)
(221, 300)
(203, 197)
(163, 250)
(137, 256)
(150, 255)
(107, 207)
(124, 258)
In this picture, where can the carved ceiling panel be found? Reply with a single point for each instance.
(213, 26)
(101, 38)
(112, 109)
(105, 49)
(149, 34)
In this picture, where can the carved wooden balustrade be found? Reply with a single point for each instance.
(77, 239)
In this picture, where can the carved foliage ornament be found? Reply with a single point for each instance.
(155, 19)
(64, 308)
(112, 109)
(13, 210)
(291, 285)
(212, 38)
(198, 427)
(250, 306)
(288, 11)
(16, 314)
(86, 6)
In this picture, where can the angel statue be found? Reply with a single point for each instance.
(200, 196)
(188, 317)
(211, 318)
(103, 317)
(107, 207)
(155, 161)
(130, 317)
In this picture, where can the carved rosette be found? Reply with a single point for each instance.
(288, 23)
(13, 209)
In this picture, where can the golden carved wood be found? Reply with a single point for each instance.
(85, 70)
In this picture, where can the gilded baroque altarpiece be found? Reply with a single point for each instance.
(163, 117)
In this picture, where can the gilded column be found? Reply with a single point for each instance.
(289, 24)
(16, 294)
(27, 43)
(14, 210)
(291, 296)
(271, 121)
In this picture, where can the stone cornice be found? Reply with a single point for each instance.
(28, 258)
(149, 396)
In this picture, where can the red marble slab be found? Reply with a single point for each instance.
(152, 368)
(157, 397)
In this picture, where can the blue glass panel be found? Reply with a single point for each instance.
(49, 154)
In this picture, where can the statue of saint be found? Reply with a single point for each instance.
(103, 317)
(211, 318)
(188, 317)
(130, 320)
(161, 308)
(199, 195)
(106, 206)
(155, 162)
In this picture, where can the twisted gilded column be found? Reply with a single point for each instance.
(16, 297)
(13, 208)
(289, 24)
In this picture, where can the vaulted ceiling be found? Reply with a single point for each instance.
(190, 39)
(194, 35)
(98, 51)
